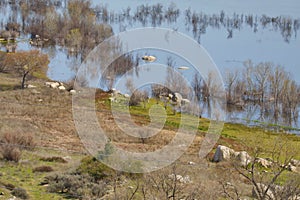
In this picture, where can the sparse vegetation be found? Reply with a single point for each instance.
(12, 144)
(88, 169)
(42, 157)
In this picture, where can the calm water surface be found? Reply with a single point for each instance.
(266, 44)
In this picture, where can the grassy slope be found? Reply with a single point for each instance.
(51, 123)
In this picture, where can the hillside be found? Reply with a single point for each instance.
(45, 114)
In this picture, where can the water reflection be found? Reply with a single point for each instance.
(77, 27)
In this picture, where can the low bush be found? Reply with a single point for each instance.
(12, 144)
(43, 169)
(54, 159)
(20, 193)
(10, 153)
(79, 186)
(94, 168)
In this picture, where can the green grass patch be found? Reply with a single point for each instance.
(23, 174)
(259, 137)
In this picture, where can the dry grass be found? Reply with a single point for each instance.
(44, 112)
(47, 115)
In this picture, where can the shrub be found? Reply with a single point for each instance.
(43, 169)
(11, 145)
(54, 159)
(94, 168)
(10, 153)
(22, 140)
(20, 193)
(76, 185)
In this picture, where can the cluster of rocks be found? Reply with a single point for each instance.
(224, 153)
(59, 86)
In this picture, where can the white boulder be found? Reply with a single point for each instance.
(243, 158)
(223, 153)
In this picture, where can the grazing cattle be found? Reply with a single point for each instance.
(175, 99)
(118, 97)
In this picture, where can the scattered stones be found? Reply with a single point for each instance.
(224, 153)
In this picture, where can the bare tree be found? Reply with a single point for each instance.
(264, 181)
(25, 63)
(261, 73)
(249, 78)
(165, 184)
(231, 79)
(174, 80)
(290, 100)
(197, 86)
(277, 79)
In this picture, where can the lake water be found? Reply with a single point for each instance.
(266, 44)
(258, 43)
